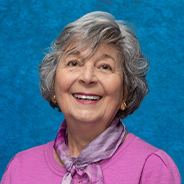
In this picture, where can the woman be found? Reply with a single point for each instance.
(95, 75)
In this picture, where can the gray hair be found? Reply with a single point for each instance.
(91, 30)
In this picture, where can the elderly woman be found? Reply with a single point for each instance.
(95, 75)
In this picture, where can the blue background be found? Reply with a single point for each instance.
(29, 26)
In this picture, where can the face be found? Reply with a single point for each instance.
(90, 90)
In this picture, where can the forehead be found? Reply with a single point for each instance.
(79, 49)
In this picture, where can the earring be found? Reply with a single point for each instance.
(123, 106)
(54, 98)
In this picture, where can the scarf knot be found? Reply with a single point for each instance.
(74, 170)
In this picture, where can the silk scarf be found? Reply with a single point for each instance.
(86, 164)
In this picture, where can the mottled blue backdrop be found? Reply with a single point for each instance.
(29, 26)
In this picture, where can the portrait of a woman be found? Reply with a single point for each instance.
(95, 75)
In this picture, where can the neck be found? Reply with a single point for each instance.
(81, 134)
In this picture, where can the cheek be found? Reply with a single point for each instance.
(64, 81)
(60, 82)
(114, 87)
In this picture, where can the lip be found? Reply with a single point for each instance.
(86, 94)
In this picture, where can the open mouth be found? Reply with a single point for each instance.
(87, 97)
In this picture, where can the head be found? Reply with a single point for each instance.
(91, 31)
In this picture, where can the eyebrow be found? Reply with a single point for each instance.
(78, 53)
(108, 56)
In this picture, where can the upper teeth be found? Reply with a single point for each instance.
(87, 97)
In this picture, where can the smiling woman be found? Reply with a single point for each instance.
(84, 86)
(95, 74)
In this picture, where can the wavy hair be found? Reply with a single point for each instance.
(90, 31)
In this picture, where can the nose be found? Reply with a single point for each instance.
(88, 75)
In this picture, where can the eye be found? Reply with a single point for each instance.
(73, 63)
(106, 67)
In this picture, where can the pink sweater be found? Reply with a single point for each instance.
(135, 162)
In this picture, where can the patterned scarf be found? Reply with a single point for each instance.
(86, 164)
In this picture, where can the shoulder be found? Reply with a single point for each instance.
(160, 168)
(137, 160)
(37, 151)
(32, 155)
(26, 162)
(156, 165)
(136, 148)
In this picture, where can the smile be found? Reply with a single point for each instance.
(87, 97)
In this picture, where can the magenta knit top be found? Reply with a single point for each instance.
(135, 162)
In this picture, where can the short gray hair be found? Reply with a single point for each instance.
(91, 30)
